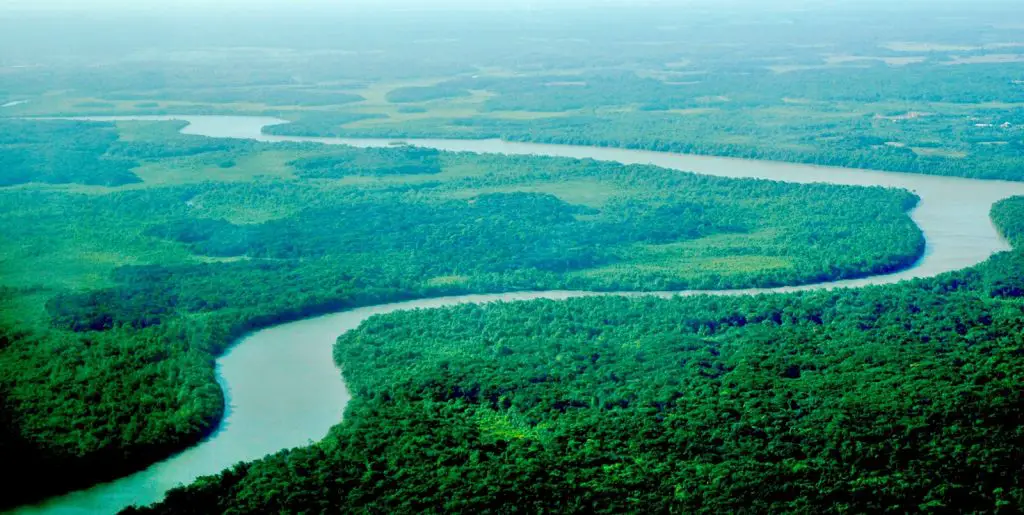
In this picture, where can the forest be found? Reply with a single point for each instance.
(725, 117)
(27, 154)
(383, 161)
(132, 256)
(900, 398)
(118, 299)
(936, 92)
(425, 93)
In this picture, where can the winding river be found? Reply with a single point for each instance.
(283, 389)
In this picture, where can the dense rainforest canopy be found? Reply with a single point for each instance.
(901, 398)
(117, 299)
(28, 154)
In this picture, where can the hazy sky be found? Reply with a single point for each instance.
(208, 5)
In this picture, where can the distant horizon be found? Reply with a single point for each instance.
(194, 6)
(306, 5)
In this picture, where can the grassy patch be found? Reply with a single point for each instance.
(939, 152)
(725, 255)
(218, 167)
(448, 280)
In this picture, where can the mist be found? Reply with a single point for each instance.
(197, 6)
(202, 6)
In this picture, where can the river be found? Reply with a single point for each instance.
(281, 385)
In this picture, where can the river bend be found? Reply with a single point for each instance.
(283, 390)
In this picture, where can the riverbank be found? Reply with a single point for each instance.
(953, 215)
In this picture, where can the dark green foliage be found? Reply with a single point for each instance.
(177, 145)
(853, 142)
(1001, 280)
(731, 88)
(399, 160)
(495, 241)
(214, 260)
(903, 398)
(1008, 216)
(289, 291)
(425, 93)
(28, 154)
(490, 233)
(83, 433)
(327, 124)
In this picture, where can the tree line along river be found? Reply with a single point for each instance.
(283, 389)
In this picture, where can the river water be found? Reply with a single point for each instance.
(283, 389)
